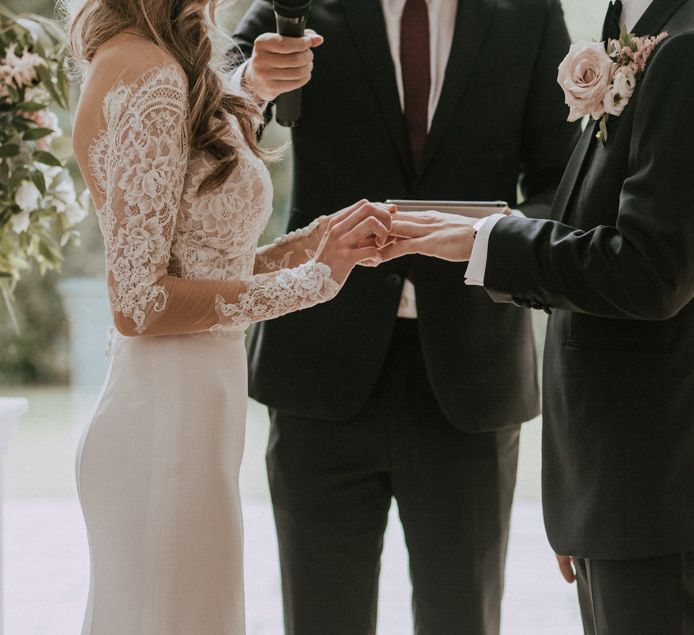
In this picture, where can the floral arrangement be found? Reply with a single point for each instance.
(39, 206)
(600, 80)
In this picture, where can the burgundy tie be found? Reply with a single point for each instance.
(416, 73)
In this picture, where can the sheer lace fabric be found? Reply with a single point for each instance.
(180, 261)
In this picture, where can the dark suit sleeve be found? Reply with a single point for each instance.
(259, 19)
(643, 267)
(548, 138)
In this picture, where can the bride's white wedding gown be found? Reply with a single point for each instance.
(158, 465)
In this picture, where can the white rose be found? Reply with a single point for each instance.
(27, 196)
(63, 191)
(75, 213)
(20, 222)
(585, 76)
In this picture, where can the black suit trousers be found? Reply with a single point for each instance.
(648, 596)
(332, 484)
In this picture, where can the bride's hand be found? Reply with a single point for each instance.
(352, 235)
(431, 233)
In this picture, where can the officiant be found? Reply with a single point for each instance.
(410, 386)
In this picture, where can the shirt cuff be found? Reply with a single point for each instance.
(474, 276)
(235, 80)
(237, 87)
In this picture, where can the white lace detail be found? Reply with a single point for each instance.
(303, 232)
(273, 295)
(158, 227)
(218, 231)
(138, 163)
(275, 264)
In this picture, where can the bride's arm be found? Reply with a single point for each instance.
(301, 245)
(147, 150)
(292, 249)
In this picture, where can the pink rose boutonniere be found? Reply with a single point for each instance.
(599, 82)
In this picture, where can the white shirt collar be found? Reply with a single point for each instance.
(632, 12)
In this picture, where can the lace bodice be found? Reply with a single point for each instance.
(179, 260)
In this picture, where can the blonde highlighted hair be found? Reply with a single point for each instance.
(182, 29)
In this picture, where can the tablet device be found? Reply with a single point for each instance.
(472, 209)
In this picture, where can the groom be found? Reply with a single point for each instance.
(616, 269)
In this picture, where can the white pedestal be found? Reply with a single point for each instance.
(10, 411)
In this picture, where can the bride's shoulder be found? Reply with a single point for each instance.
(130, 60)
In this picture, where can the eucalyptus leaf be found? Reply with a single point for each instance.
(46, 158)
(39, 181)
(9, 150)
(47, 81)
(33, 134)
(31, 106)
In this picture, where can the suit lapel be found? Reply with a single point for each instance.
(365, 18)
(651, 23)
(657, 16)
(573, 169)
(472, 22)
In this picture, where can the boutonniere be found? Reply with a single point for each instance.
(600, 80)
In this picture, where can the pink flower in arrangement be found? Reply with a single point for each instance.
(599, 81)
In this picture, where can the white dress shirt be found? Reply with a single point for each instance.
(442, 15)
(632, 11)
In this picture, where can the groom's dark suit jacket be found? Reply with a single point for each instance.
(500, 116)
(617, 267)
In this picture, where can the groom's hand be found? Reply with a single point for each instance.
(446, 236)
(280, 64)
(567, 568)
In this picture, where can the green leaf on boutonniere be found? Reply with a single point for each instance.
(602, 134)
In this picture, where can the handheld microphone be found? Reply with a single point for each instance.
(292, 16)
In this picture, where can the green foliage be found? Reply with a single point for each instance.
(38, 203)
(38, 354)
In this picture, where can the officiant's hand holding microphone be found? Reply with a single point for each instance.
(280, 64)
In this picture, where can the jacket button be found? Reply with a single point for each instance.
(394, 279)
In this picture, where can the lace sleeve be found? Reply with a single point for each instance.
(138, 166)
(139, 163)
(271, 295)
(292, 249)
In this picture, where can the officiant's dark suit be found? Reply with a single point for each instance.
(366, 406)
(617, 269)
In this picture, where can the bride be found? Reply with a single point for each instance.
(171, 161)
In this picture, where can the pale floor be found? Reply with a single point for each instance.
(46, 558)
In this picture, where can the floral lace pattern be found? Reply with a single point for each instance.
(138, 163)
(272, 295)
(158, 227)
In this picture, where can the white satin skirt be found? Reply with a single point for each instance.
(158, 480)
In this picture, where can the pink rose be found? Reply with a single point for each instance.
(585, 76)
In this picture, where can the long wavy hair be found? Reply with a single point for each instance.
(181, 28)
